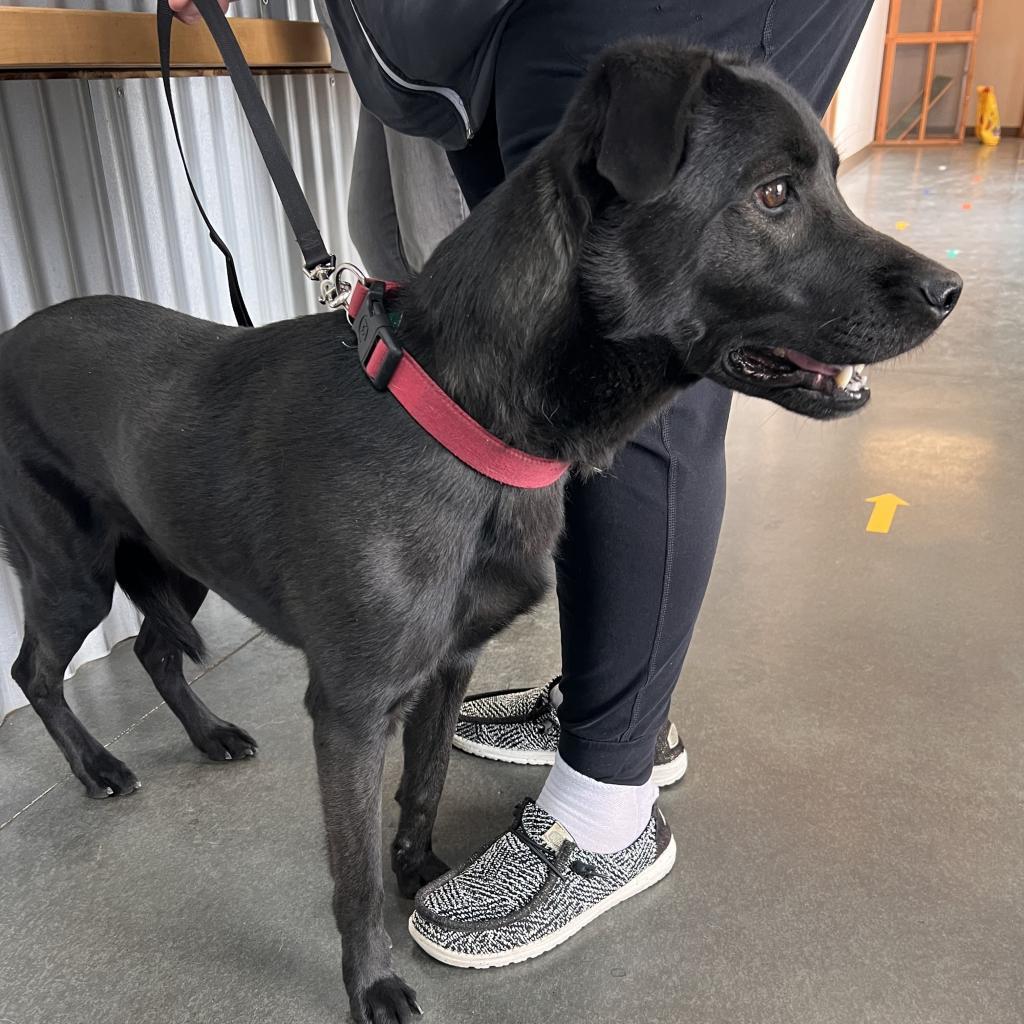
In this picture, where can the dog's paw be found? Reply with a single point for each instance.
(414, 873)
(104, 775)
(223, 741)
(387, 1000)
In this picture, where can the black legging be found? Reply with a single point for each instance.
(640, 539)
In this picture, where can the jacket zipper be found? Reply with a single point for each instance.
(449, 94)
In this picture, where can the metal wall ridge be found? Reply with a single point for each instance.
(93, 198)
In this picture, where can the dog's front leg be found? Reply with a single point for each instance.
(427, 743)
(350, 762)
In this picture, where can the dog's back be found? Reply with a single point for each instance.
(140, 408)
(76, 376)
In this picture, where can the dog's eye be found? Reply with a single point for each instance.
(774, 194)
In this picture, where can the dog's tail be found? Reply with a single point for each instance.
(149, 583)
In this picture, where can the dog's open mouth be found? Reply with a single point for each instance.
(768, 370)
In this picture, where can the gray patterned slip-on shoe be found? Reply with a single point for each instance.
(532, 889)
(669, 756)
(521, 727)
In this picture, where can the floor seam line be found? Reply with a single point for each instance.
(132, 727)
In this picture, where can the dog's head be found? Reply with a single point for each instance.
(716, 223)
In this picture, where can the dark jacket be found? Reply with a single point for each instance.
(422, 67)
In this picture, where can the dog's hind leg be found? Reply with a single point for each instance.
(350, 741)
(427, 743)
(160, 651)
(47, 649)
(67, 585)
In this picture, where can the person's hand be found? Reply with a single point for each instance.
(185, 10)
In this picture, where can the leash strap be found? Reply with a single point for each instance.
(318, 262)
(391, 368)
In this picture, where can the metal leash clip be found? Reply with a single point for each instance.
(335, 288)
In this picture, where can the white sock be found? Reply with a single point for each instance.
(601, 817)
(555, 695)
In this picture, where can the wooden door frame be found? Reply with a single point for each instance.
(933, 38)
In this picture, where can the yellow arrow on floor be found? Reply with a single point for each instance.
(883, 512)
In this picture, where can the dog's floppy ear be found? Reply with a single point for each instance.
(648, 105)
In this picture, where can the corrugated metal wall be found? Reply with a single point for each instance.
(93, 199)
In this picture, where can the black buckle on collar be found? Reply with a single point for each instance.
(373, 326)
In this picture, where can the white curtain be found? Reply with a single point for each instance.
(123, 621)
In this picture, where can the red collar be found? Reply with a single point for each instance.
(391, 368)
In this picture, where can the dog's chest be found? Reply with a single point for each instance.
(511, 567)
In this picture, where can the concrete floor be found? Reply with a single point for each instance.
(850, 831)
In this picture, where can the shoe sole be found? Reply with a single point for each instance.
(481, 961)
(502, 753)
(663, 774)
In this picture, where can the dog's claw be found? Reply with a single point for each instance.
(222, 741)
(387, 1001)
(104, 776)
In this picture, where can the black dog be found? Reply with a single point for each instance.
(682, 222)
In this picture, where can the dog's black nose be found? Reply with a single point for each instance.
(941, 291)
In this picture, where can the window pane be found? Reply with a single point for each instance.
(907, 96)
(957, 15)
(916, 15)
(947, 90)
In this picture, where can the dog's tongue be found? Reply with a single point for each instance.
(809, 364)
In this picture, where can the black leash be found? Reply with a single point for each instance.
(318, 263)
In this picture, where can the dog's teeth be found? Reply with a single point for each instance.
(859, 382)
(843, 377)
(859, 367)
(780, 352)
